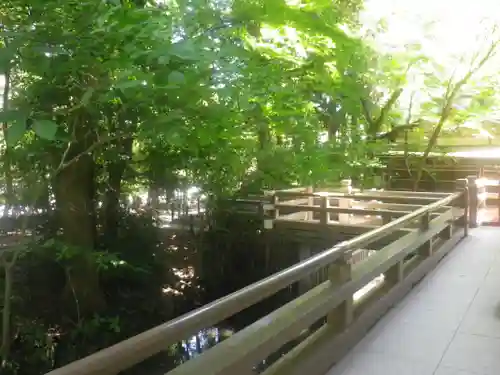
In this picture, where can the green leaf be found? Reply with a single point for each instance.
(175, 78)
(45, 129)
(15, 132)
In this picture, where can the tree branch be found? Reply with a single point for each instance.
(445, 113)
(62, 165)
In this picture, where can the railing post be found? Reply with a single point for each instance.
(473, 201)
(448, 232)
(481, 194)
(426, 248)
(340, 273)
(310, 202)
(269, 212)
(394, 274)
(276, 200)
(305, 284)
(346, 188)
(425, 221)
(386, 219)
(325, 215)
(463, 185)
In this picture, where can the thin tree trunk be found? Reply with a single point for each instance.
(6, 313)
(9, 190)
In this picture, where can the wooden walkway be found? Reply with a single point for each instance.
(448, 325)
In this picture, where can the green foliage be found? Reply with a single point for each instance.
(185, 80)
(108, 98)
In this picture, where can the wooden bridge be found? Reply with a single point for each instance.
(342, 323)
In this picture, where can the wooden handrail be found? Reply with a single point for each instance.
(223, 359)
(355, 211)
(386, 196)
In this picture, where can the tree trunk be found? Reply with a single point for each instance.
(154, 199)
(112, 197)
(9, 190)
(74, 189)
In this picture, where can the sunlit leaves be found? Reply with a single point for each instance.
(184, 81)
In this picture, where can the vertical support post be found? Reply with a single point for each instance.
(269, 212)
(267, 254)
(185, 201)
(275, 200)
(324, 215)
(426, 249)
(310, 202)
(481, 199)
(346, 188)
(498, 205)
(463, 185)
(425, 221)
(447, 233)
(386, 219)
(341, 317)
(481, 193)
(394, 274)
(191, 224)
(305, 252)
(473, 201)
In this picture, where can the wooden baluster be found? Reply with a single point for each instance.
(269, 211)
(426, 249)
(394, 274)
(447, 233)
(305, 252)
(464, 203)
(275, 200)
(473, 201)
(425, 221)
(340, 272)
(498, 203)
(310, 202)
(346, 188)
(481, 199)
(325, 215)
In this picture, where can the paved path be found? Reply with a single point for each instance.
(448, 325)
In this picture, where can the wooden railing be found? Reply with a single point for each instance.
(321, 205)
(342, 319)
(343, 210)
